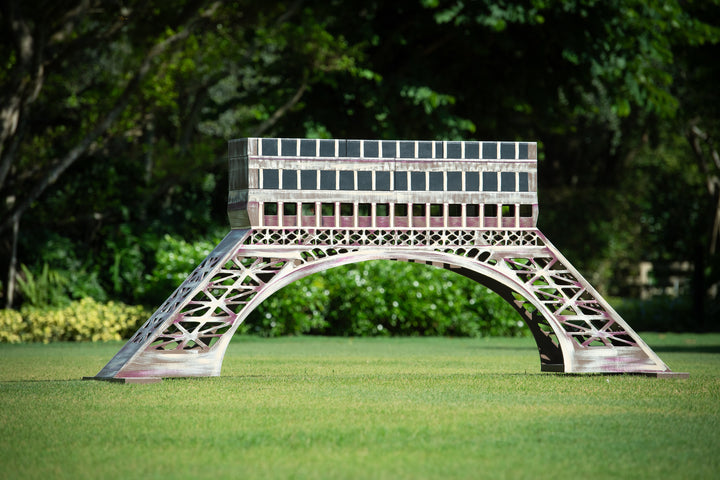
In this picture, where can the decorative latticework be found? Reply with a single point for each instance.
(575, 328)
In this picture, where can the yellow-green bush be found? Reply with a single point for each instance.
(82, 320)
(11, 326)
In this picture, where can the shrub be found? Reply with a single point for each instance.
(175, 259)
(81, 320)
(386, 298)
(11, 326)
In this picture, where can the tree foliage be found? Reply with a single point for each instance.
(114, 117)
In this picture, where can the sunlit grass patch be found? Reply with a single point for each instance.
(307, 407)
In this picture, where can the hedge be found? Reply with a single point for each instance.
(379, 298)
(82, 320)
(383, 298)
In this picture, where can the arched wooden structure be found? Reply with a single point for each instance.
(299, 206)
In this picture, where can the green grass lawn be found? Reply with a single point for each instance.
(343, 408)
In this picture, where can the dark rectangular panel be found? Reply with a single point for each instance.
(407, 149)
(439, 150)
(289, 178)
(472, 150)
(327, 179)
(454, 181)
(472, 181)
(523, 151)
(425, 150)
(507, 181)
(270, 179)
(388, 149)
(307, 148)
(507, 151)
(382, 181)
(370, 148)
(490, 182)
(401, 181)
(489, 150)
(364, 180)
(436, 182)
(347, 180)
(417, 181)
(454, 150)
(288, 147)
(327, 148)
(353, 148)
(524, 182)
(269, 146)
(308, 179)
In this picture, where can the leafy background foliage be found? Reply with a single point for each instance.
(116, 116)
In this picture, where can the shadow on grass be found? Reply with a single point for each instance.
(686, 349)
(532, 347)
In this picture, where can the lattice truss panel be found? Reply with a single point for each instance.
(223, 299)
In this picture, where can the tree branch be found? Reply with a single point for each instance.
(120, 104)
(280, 112)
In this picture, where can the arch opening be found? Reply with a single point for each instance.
(551, 355)
(384, 297)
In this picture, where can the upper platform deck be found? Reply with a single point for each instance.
(281, 182)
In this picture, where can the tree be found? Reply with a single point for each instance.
(133, 116)
(98, 82)
(51, 40)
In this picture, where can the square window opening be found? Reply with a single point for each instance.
(347, 210)
(401, 209)
(436, 210)
(508, 210)
(364, 210)
(308, 209)
(327, 209)
(382, 210)
(290, 209)
(454, 210)
(490, 210)
(418, 209)
(270, 208)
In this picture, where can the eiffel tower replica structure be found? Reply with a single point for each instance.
(301, 206)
